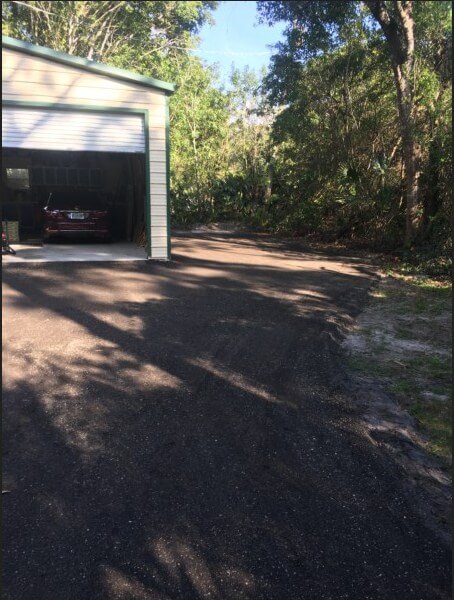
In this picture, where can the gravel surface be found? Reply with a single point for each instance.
(183, 430)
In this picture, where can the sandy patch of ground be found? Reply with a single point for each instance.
(399, 353)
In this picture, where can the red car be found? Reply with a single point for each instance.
(76, 214)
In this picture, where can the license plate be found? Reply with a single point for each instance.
(76, 215)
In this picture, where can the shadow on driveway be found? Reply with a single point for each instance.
(183, 431)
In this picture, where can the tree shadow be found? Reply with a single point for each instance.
(182, 431)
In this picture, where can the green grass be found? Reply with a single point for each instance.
(434, 415)
(367, 366)
(417, 295)
(436, 368)
(429, 261)
(435, 418)
(403, 332)
(404, 387)
(408, 307)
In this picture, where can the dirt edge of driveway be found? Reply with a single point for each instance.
(390, 427)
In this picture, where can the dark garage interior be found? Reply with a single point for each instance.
(30, 176)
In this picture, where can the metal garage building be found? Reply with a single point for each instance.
(68, 121)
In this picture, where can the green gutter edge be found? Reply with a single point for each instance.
(85, 64)
(169, 243)
(70, 107)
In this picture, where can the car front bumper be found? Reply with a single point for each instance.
(75, 233)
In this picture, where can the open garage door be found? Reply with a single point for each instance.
(31, 178)
(96, 158)
(50, 129)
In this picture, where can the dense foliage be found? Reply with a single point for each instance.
(341, 136)
(314, 145)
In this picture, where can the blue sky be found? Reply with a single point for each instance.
(237, 38)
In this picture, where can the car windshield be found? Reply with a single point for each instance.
(79, 200)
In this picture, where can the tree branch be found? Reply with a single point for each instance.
(390, 29)
(406, 19)
(31, 7)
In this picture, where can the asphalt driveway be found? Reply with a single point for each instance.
(183, 430)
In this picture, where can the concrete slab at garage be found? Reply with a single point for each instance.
(71, 252)
(73, 124)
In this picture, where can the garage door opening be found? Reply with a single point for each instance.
(114, 179)
(72, 122)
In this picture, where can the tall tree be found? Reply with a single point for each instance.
(321, 25)
(101, 29)
(398, 26)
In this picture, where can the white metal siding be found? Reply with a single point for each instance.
(71, 130)
(46, 80)
(35, 79)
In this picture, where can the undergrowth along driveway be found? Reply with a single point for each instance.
(404, 339)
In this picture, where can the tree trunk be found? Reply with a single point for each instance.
(409, 151)
(398, 27)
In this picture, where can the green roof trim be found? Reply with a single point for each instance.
(85, 64)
